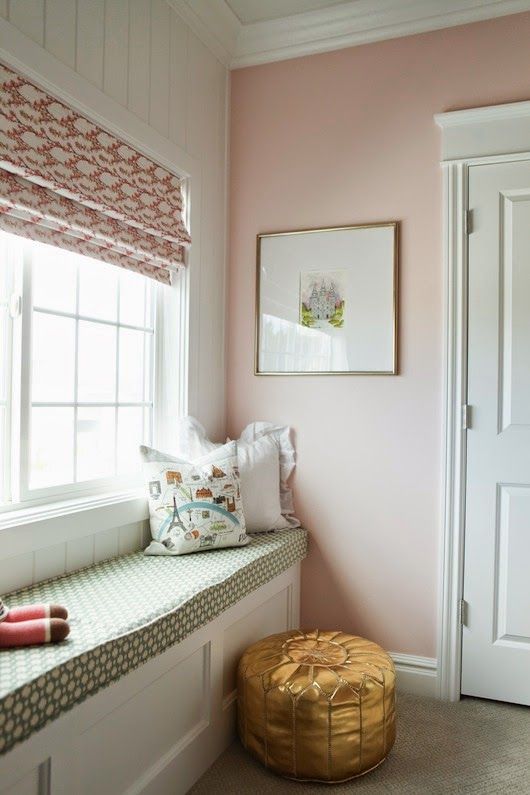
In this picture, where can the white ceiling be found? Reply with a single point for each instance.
(248, 32)
(249, 11)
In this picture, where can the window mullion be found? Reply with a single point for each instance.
(6, 486)
(22, 355)
(76, 368)
(117, 379)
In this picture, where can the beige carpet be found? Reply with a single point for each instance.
(470, 747)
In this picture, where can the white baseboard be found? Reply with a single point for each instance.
(417, 675)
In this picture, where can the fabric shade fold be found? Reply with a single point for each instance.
(66, 181)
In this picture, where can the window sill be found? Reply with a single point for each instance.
(26, 529)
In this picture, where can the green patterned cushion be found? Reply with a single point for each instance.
(124, 612)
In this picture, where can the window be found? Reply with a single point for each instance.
(77, 354)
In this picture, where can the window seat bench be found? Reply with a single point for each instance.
(130, 613)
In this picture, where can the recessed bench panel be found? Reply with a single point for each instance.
(27, 785)
(268, 618)
(158, 720)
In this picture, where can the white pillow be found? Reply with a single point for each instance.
(282, 435)
(266, 460)
(194, 505)
(259, 468)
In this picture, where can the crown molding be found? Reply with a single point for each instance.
(360, 22)
(345, 25)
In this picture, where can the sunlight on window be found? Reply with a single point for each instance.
(92, 381)
(86, 398)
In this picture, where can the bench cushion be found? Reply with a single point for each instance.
(124, 612)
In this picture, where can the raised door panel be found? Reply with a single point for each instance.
(514, 314)
(512, 583)
(27, 785)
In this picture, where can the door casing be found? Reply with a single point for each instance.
(494, 134)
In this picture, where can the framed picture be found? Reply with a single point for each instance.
(326, 301)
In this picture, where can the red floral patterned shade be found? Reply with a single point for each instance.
(66, 181)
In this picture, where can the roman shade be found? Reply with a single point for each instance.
(66, 181)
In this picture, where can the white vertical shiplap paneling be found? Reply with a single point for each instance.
(116, 53)
(139, 57)
(141, 54)
(202, 106)
(16, 572)
(49, 562)
(178, 80)
(129, 538)
(60, 30)
(79, 553)
(106, 545)
(159, 84)
(90, 40)
(28, 16)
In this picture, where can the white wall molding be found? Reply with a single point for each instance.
(417, 675)
(485, 132)
(345, 25)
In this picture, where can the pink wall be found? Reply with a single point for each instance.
(343, 138)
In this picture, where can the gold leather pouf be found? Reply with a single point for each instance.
(316, 706)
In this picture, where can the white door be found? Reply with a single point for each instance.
(496, 635)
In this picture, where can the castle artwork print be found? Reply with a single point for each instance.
(322, 299)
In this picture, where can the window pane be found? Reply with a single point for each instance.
(98, 289)
(53, 356)
(3, 459)
(54, 276)
(95, 443)
(3, 353)
(131, 366)
(130, 436)
(132, 298)
(97, 363)
(52, 447)
(148, 380)
(4, 270)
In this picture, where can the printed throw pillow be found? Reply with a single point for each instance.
(194, 506)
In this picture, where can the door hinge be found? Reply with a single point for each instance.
(466, 417)
(462, 612)
(468, 222)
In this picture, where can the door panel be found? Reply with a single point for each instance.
(496, 640)
(515, 309)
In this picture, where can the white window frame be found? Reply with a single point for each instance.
(165, 389)
(22, 257)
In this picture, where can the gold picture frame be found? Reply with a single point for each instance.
(265, 261)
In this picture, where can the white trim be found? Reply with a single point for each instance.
(454, 448)
(417, 675)
(456, 118)
(483, 135)
(26, 530)
(497, 131)
(343, 25)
